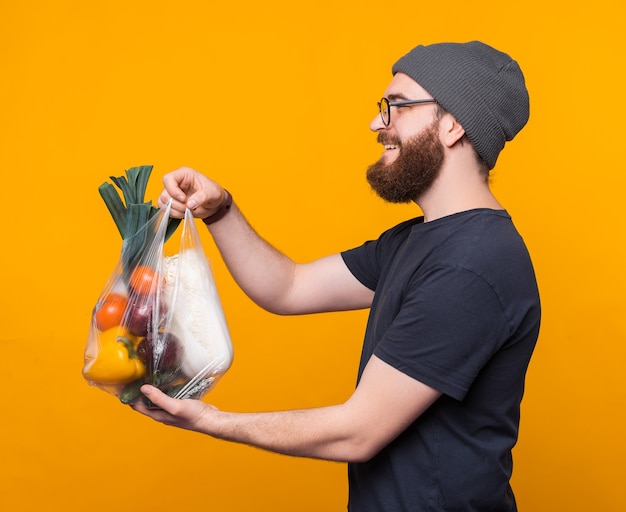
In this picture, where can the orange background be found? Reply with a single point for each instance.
(273, 99)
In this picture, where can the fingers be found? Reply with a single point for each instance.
(163, 408)
(158, 398)
(177, 209)
(177, 183)
(170, 411)
(203, 202)
(187, 188)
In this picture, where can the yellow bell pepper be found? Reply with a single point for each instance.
(116, 361)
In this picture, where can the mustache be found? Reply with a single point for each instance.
(385, 138)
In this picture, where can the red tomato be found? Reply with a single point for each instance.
(110, 311)
(144, 280)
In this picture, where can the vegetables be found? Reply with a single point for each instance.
(134, 214)
(162, 353)
(117, 361)
(161, 357)
(131, 392)
(144, 280)
(139, 317)
(159, 319)
(135, 312)
(120, 321)
(110, 311)
(122, 317)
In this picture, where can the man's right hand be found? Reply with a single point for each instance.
(190, 189)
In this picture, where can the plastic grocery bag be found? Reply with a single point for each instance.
(159, 319)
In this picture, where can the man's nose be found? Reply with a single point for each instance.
(377, 124)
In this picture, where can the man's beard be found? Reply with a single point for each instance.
(413, 171)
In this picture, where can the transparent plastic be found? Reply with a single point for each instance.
(159, 319)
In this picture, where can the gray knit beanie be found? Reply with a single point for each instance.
(480, 86)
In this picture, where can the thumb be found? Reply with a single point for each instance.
(203, 202)
(156, 396)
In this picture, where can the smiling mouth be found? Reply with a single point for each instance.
(387, 143)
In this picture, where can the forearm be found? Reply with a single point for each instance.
(265, 274)
(321, 433)
(385, 402)
(277, 283)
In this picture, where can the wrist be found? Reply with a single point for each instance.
(222, 209)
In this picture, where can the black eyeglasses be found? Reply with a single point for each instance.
(385, 110)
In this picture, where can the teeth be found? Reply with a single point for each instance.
(390, 146)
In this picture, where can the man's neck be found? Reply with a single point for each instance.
(457, 189)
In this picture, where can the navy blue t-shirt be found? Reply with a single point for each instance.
(456, 307)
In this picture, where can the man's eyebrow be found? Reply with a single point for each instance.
(397, 97)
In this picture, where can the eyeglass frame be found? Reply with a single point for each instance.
(397, 104)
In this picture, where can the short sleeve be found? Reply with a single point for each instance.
(450, 322)
(367, 261)
(363, 264)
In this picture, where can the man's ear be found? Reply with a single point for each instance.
(450, 130)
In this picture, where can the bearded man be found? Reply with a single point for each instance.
(454, 306)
